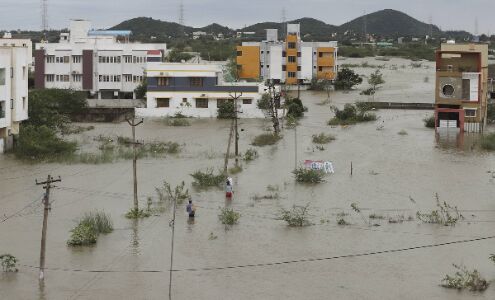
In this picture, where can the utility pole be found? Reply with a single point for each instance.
(46, 203)
(235, 97)
(172, 224)
(227, 154)
(133, 124)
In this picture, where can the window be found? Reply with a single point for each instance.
(292, 74)
(11, 103)
(239, 53)
(196, 81)
(57, 59)
(76, 77)
(50, 78)
(268, 66)
(111, 59)
(299, 68)
(284, 68)
(448, 90)
(162, 102)
(2, 109)
(184, 100)
(66, 60)
(470, 112)
(163, 81)
(284, 54)
(320, 54)
(247, 101)
(267, 52)
(117, 59)
(291, 45)
(50, 59)
(116, 78)
(298, 54)
(2, 76)
(65, 78)
(134, 59)
(127, 77)
(320, 69)
(76, 59)
(262, 51)
(127, 59)
(292, 59)
(202, 103)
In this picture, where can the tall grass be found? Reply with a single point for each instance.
(266, 139)
(89, 227)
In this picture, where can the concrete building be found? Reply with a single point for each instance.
(15, 60)
(101, 62)
(195, 90)
(461, 87)
(291, 61)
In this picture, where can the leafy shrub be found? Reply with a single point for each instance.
(368, 92)
(465, 279)
(89, 227)
(342, 221)
(488, 142)
(297, 216)
(352, 114)
(83, 235)
(41, 142)
(226, 110)
(250, 154)
(444, 215)
(402, 132)
(137, 214)
(228, 216)
(176, 121)
(295, 107)
(346, 79)
(429, 122)
(266, 139)
(308, 175)
(207, 178)
(8, 263)
(163, 148)
(322, 138)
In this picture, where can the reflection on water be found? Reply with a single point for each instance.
(135, 237)
(453, 139)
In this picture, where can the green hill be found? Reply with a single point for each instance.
(389, 23)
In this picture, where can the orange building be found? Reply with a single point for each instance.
(291, 61)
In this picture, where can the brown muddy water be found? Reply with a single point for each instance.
(388, 170)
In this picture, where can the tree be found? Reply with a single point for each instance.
(269, 103)
(176, 55)
(231, 73)
(141, 89)
(346, 79)
(375, 79)
(226, 110)
(53, 107)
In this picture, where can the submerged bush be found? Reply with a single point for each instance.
(89, 227)
(165, 192)
(177, 120)
(137, 214)
(207, 178)
(8, 262)
(250, 154)
(266, 139)
(308, 175)
(488, 142)
(444, 215)
(41, 142)
(297, 216)
(465, 279)
(322, 138)
(429, 122)
(352, 114)
(228, 216)
(226, 110)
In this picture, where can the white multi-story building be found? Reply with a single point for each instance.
(15, 60)
(101, 62)
(292, 61)
(195, 90)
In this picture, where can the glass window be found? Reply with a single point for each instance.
(292, 45)
(196, 81)
(247, 101)
(470, 112)
(162, 102)
(2, 76)
(163, 81)
(292, 59)
(202, 102)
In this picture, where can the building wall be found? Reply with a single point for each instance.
(177, 104)
(15, 61)
(276, 62)
(249, 62)
(325, 63)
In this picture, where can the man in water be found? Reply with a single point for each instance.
(190, 209)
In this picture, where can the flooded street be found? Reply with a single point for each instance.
(261, 257)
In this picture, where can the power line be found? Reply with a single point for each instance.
(302, 260)
(17, 213)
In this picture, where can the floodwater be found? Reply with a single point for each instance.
(321, 263)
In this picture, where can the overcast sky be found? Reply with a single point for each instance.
(448, 14)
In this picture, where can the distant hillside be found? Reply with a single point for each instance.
(389, 23)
